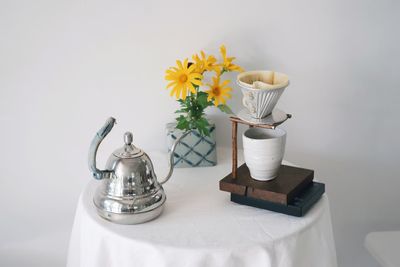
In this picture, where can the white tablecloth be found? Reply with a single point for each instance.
(201, 227)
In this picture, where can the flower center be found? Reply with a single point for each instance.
(216, 91)
(183, 78)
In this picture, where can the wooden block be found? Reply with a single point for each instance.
(283, 189)
(297, 207)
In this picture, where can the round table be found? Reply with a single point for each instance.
(200, 226)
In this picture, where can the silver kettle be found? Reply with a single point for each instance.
(129, 192)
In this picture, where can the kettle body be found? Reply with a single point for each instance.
(129, 192)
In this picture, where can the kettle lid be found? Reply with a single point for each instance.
(128, 150)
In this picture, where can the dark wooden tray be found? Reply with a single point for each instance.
(298, 207)
(283, 189)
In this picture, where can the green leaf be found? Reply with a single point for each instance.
(183, 123)
(187, 101)
(202, 125)
(203, 121)
(225, 109)
(202, 99)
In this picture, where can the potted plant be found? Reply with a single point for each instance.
(188, 83)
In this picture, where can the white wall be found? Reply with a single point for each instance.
(67, 65)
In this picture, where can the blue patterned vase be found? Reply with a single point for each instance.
(194, 150)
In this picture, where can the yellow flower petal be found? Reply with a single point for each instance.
(197, 82)
(192, 89)
(185, 63)
(179, 63)
(192, 67)
(171, 84)
(178, 92)
(196, 76)
(173, 90)
(223, 51)
(225, 83)
(184, 93)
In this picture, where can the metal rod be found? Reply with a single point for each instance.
(234, 149)
(267, 126)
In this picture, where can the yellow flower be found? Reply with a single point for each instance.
(182, 79)
(218, 91)
(199, 64)
(205, 63)
(227, 64)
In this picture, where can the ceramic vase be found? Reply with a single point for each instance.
(194, 150)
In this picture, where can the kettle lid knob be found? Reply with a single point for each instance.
(128, 138)
(128, 150)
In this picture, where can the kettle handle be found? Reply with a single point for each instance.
(171, 157)
(100, 135)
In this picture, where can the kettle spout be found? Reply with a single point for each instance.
(171, 157)
(100, 135)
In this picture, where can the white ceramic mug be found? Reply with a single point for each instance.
(263, 152)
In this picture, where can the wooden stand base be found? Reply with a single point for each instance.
(283, 189)
(298, 207)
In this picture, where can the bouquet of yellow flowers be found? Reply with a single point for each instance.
(185, 81)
